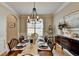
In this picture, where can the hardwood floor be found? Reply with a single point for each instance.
(58, 51)
(14, 53)
(45, 53)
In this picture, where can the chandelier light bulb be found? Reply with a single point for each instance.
(28, 17)
(37, 17)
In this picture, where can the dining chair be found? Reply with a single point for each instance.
(13, 43)
(21, 38)
(45, 38)
(52, 45)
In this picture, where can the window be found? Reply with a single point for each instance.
(38, 25)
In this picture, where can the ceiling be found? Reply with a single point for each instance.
(42, 7)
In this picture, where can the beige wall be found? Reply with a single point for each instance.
(12, 31)
(47, 19)
(4, 34)
(59, 16)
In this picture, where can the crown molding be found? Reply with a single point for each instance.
(62, 7)
(7, 6)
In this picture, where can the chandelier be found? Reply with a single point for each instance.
(34, 16)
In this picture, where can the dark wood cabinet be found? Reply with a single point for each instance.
(70, 44)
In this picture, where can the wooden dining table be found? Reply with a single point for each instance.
(34, 50)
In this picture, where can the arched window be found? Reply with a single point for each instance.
(38, 27)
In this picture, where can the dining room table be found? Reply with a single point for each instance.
(31, 49)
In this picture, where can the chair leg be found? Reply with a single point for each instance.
(55, 46)
(62, 47)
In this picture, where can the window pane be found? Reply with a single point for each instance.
(30, 31)
(29, 25)
(39, 32)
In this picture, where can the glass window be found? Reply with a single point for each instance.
(38, 27)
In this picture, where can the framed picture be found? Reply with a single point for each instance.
(12, 25)
(11, 21)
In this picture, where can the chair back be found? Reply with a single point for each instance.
(50, 44)
(45, 38)
(21, 38)
(13, 43)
